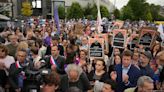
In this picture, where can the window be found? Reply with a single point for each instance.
(37, 4)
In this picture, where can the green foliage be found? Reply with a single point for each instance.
(138, 8)
(87, 11)
(149, 16)
(26, 9)
(90, 12)
(154, 9)
(61, 12)
(94, 11)
(127, 13)
(116, 13)
(104, 11)
(75, 11)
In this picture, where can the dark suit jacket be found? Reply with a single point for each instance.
(60, 61)
(133, 73)
(61, 49)
(82, 83)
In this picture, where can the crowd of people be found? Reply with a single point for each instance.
(67, 56)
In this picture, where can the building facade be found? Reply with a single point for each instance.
(6, 8)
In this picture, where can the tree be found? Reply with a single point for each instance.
(94, 11)
(116, 13)
(138, 8)
(149, 16)
(61, 12)
(127, 13)
(154, 9)
(75, 11)
(26, 9)
(104, 11)
(87, 11)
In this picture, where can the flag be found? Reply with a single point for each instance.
(56, 19)
(99, 21)
(161, 31)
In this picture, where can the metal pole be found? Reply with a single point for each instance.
(115, 4)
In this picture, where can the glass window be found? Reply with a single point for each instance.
(37, 4)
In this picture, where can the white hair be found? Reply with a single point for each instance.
(74, 67)
(143, 79)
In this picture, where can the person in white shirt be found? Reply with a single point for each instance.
(5, 62)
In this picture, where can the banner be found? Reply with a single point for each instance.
(56, 19)
(96, 47)
(119, 38)
(99, 21)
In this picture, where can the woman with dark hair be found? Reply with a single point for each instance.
(99, 73)
(117, 60)
(156, 48)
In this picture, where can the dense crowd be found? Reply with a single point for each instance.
(35, 47)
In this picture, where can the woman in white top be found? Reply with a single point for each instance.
(5, 62)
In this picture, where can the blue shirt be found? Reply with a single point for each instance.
(125, 69)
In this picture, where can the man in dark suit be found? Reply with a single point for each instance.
(127, 74)
(55, 62)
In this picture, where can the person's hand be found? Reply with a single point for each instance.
(37, 65)
(18, 90)
(53, 67)
(113, 75)
(2, 66)
(125, 78)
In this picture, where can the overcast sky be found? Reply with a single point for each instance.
(121, 3)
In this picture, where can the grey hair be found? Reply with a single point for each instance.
(143, 79)
(75, 67)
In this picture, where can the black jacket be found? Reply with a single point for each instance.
(14, 72)
(60, 61)
(82, 83)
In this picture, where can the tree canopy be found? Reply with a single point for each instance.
(26, 9)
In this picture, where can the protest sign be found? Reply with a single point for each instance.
(96, 47)
(78, 29)
(147, 37)
(134, 41)
(119, 24)
(105, 37)
(119, 38)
